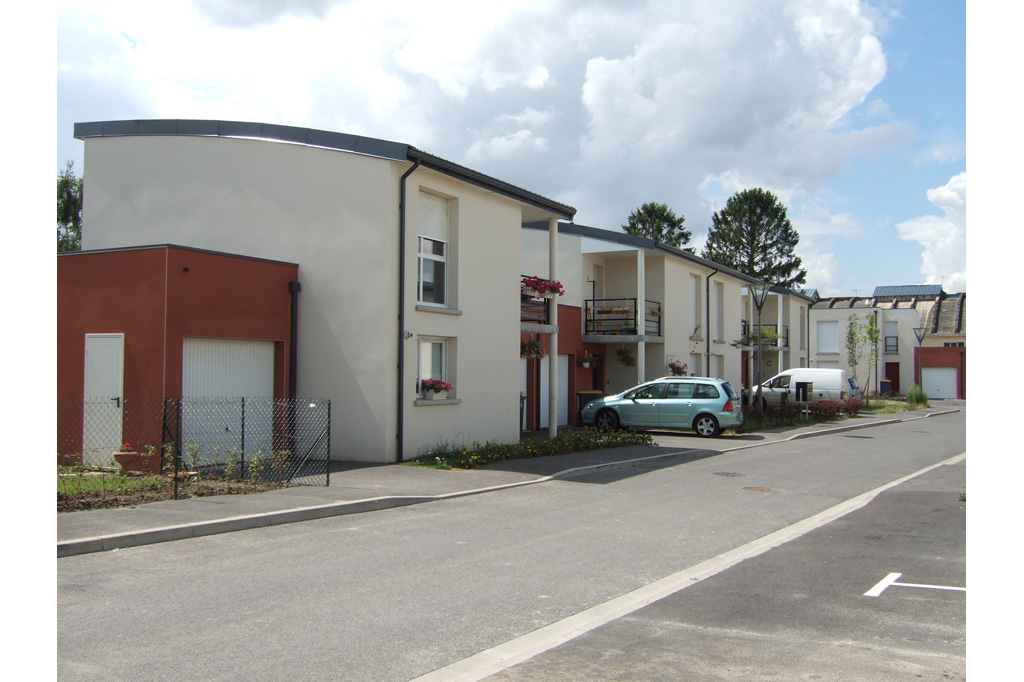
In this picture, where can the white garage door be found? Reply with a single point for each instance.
(226, 385)
(939, 382)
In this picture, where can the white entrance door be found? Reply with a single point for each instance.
(939, 382)
(216, 375)
(103, 398)
(563, 391)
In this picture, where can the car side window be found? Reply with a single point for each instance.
(652, 391)
(705, 391)
(781, 382)
(680, 390)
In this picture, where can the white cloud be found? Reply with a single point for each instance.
(823, 272)
(506, 146)
(528, 116)
(944, 239)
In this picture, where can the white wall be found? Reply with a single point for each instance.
(336, 215)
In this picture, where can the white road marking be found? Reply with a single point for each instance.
(890, 581)
(494, 660)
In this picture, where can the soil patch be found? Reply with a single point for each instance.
(157, 492)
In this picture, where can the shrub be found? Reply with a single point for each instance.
(826, 410)
(450, 454)
(916, 397)
(851, 406)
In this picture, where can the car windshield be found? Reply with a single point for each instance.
(853, 384)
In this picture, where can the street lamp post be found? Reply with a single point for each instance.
(919, 332)
(759, 294)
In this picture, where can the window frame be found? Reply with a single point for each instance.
(420, 375)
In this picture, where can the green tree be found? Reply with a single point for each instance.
(872, 335)
(854, 343)
(659, 222)
(753, 235)
(69, 210)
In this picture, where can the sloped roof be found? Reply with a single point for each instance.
(908, 290)
(948, 317)
(368, 146)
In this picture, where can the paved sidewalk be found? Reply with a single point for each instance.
(357, 488)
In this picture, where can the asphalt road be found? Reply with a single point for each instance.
(396, 594)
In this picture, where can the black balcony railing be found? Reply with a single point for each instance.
(892, 344)
(533, 310)
(783, 337)
(618, 316)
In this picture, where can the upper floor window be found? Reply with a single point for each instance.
(828, 337)
(432, 280)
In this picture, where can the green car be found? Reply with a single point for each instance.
(700, 404)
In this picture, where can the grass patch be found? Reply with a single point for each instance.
(452, 454)
(83, 481)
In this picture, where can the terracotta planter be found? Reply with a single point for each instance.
(134, 461)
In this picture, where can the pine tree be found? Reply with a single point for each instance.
(659, 222)
(753, 235)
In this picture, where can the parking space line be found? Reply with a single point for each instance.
(890, 581)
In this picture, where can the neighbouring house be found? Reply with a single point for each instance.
(902, 313)
(785, 320)
(136, 325)
(404, 260)
(631, 306)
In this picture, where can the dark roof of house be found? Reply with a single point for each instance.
(616, 237)
(369, 146)
(948, 317)
(148, 247)
(908, 290)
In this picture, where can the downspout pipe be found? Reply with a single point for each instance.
(293, 343)
(707, 323)
(400, 394)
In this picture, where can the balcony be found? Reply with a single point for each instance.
(772, 329)
(533, 310)
(619, 317)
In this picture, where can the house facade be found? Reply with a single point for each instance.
(785, 321)
(898, 311)
(403, 259)
(631, 306)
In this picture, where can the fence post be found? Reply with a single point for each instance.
(177, 448)
(328, 443)
(242, 466)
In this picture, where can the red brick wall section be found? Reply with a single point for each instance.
(945, 357)
(570, 342)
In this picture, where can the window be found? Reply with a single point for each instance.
(433, 250)
(649, 392)
(892, 339)
(719, 311)
(953, 344)
(681, 390)
(433, 360)
(695, 307)
(705, 391)
(828, 337)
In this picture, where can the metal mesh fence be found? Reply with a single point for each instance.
(285, 441)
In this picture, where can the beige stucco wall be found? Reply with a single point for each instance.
(335, 214)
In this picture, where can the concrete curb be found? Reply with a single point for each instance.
(105, 543)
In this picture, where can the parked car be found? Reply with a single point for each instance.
(701, 404)
(825, 384)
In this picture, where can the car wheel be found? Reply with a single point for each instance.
(607, 420)
(706, 426)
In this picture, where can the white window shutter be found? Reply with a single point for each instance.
(433, 217)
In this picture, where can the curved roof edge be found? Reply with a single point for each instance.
(395, 151)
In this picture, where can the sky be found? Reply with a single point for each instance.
(852, 113)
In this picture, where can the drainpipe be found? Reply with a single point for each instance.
(707, 323)
(400, 436)
(876, 353)
(293, 351)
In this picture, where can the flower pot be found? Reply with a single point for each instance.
(134, 461)
(435, 395)
(586, 365)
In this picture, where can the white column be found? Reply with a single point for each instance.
(553, 321)
(641, 296)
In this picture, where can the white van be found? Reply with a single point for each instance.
(825, 384)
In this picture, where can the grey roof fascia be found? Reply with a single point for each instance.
(636, 241)
(487, 182)
(148, 247)
(369, 146)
